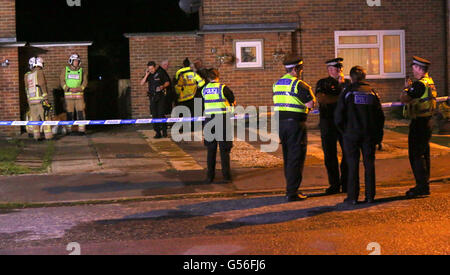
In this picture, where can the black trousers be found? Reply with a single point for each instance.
(294, 139)
(190, 104)
(225, 146)
(353, 148)
(420, 131)
(330, 137)
(158, 110)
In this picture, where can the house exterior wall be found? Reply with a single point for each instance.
(145, 48)
(9, 90)
(424, 22)
(7, 18)
(9, 76)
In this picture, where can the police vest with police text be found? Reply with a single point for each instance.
(286, 97)
(215, 101)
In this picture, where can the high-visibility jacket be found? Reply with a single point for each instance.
(34, 91)
(187, 83)
(74, 80)
(424, 106)
(286, 97)
(215, 101)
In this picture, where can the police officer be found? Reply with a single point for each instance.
(187, 82)
(360, 118)
(219, 102)
(158, 81)
(420, 100)
(171, 97)
(292, 99)
(36, 89)
(74, 80)
(327, 93)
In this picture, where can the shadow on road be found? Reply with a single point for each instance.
(201, 209)
(209, 208)
(291, 215)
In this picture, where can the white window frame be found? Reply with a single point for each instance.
(379, 45)
(258, 44)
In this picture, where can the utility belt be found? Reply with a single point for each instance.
(156, 93)
(327, 99)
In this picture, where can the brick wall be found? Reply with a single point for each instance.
(247, 11)
(251, 86)
(7, 18)
(9, 90)
(55, 59)
(143, 49)
(424, 23)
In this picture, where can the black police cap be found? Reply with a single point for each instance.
(292, 61)
(420, 61)
(337, 62)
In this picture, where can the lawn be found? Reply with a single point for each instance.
(10, 149)
(441, 140)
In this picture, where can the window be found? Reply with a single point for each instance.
(381, 53)
(249, 54)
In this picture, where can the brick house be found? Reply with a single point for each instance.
(257, 33)
(13, 101)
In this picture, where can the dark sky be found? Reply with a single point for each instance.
(103, 22)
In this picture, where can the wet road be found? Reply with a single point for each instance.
(257, 225)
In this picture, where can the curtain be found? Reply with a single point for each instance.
(369, 59)
(392, 54)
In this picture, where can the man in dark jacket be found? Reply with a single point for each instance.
(327, 93)
(360, 118)
(158, 82)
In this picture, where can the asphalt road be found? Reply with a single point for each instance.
(256, 226)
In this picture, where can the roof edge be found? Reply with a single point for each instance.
(190, 33)
(60, 44)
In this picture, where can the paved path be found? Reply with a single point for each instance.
(127, 163)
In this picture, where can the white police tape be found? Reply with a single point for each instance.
(152, 121)
(110, 122)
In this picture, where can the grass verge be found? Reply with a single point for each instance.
(10, 149)
(443, 141)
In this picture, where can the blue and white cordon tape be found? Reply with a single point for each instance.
(152, 121)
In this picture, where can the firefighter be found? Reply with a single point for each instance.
(293, 99)
(420, 99)
(74, 80)
(36, 90)
(219, 101)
